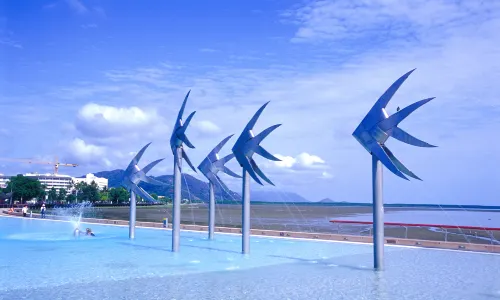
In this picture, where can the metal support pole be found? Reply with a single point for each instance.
(176, 214)
(131, 223)
(245, 220)
(378, 215)
(211, 212)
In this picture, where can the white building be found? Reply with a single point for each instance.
(3, 181)
(101, 182)
(56, 181)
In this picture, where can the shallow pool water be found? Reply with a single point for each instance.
(40, 259)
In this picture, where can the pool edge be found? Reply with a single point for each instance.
(320, 237)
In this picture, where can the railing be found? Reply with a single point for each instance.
(55, 204)
(473, 236)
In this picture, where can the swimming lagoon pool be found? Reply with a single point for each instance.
(40, 259)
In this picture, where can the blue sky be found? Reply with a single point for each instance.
(93, 81)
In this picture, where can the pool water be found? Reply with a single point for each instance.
(40, 259)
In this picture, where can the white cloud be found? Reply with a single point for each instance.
(88, 155)
(348, 19)
(206, 126)
(11, 43)
(107, 162)
(114, 115)
(77, 6)
(208, 50)
(100, 11)
(80, 8)
(50, 5)
(85, 152)
(89, 26)
(7, 37)
(326, 175)
(109, 121)
(4, 132)
(302, 161)
(286, 161)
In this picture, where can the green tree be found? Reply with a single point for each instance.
(52, 194)
(71, 198)
(79, 187)
(92, 192)
(87, 192)
(166, 200)
(118, 195)
(43, 194)
(104, 194)
(62, 194)
(154, 196)
(23, 188)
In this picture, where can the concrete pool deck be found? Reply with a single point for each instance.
(297, 235)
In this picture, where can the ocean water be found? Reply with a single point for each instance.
(40, 259)
(441, 217)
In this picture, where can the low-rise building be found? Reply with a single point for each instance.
(59, 181)
(56, 181)
(3, 181)
(101, 182)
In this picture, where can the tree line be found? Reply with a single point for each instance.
(25, 189)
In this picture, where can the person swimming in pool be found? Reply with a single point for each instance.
(78, 232)
(89, 232)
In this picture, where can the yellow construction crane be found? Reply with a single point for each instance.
(55, 163)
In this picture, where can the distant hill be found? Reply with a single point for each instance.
(192, 188)
(328, 200)
(197, 190)
(276, 197)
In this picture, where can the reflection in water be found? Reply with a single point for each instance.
(379, 287)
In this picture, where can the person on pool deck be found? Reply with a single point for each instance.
(42, 211)
(89, 232)
(11, 210)
(25, 210)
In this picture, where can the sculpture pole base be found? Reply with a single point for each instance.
(131, 223)
(245, 220)
(176, 209)
(378, 215)
(211, 212)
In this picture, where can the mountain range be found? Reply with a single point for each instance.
(197, 191)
